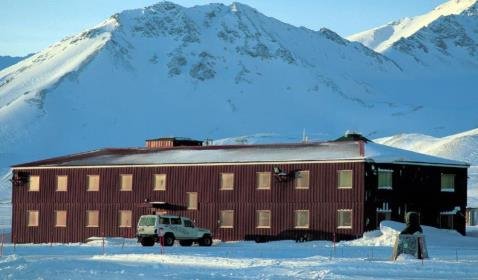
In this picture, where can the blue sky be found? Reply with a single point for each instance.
(28, 26)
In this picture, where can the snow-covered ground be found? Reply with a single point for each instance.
(451, 256)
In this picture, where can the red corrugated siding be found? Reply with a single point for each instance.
(322, 199)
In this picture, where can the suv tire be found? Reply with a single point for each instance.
(206, 240)
(168, 239)
(147, 241)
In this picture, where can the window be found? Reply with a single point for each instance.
(125, 218)
(345, 179)
(226, 219)
(62, 183)
(126, 182)
(188, 223)
(159, 182)
(192, 200)
(227, 181)
(175, 221)
(92, 218)
(301, 180)
(447, 182)
(385, 179)
(263, 219)
(34, 184)
(164, 221)
(301, 219)
(344, 218)
(93, 183)
(33, 218)
(263, 180)
(60, 218)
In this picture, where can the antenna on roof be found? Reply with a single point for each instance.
(305, 138)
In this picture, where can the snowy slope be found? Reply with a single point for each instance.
(6, 61)
(462, 146)
(383, 37)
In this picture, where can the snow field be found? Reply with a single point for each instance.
(365, 258)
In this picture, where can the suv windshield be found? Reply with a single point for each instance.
(147, 221)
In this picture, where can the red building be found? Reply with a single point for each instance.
(316, 190)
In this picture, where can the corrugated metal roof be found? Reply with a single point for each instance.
(324, 151)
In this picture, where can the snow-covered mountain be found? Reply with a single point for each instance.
(6, 61)
(383, 37)
(462, 147)
(211, 72)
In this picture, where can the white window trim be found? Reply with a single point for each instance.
(448, 189)
(385, 171)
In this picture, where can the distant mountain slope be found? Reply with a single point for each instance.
(462, 146)
(383, 37)
(6, 61)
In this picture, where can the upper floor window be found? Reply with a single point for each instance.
(34, 183)
(126, 182)
(344, 218)
(60, 218)
(345, 179)
(62, 183)
(192, 200)
(33, 218)
(159, 182)
(301, 180)
(301, 219)
(447, 182)
(93, 183)
(227, 181)
(385, 179)
(263, 180)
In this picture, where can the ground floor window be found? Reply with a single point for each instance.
(344, 218)
(60, 218)
(263, 218)
(125, 218)
(33, 218)
(226, 219)
(92, 218)
(301, 219)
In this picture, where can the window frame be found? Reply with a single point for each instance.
(88, 218)
(188, 194)
(221, 216)
(122, 187)
(56, 219)
(296, 220)
(37, 180)
(120, 216)
(89, 185)
(339, 172)
(64, 188)
(231, 188)
(29, 216)
(447, 189)
(258, 180)
(258, 219)
(351, 218)
(164, 186)
(385, 171)
(297, 178)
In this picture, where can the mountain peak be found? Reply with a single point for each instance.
(383, 37)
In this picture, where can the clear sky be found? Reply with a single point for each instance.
(28, 26)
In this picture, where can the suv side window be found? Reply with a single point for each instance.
(175, 221)
(188, 223)
(164, 221)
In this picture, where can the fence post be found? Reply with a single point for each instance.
(456, 254)
(1, 246)
(103, 244)
(122, 247)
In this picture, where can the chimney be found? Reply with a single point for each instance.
(169, 142)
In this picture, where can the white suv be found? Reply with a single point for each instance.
(167, 228)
